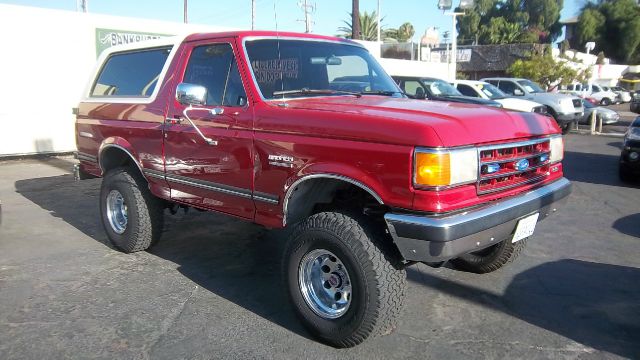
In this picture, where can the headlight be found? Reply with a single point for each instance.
(556, 148)
(435, 167)
(633, 133)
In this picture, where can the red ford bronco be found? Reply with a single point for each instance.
(308, 131)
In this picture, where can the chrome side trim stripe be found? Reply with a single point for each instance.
(154, 173)
(211, 186)
(86, 157)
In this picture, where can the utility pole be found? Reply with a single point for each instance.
(186, 17)
(355, 19)
(379, 21)
(82, 5)
(253, 14)
(308, 10)
(454, 43)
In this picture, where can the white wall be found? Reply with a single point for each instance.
(46, 59)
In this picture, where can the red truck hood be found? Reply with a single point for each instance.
(454, 123)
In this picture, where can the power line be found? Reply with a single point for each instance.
(308, 10)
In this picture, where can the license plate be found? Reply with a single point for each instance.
(525, 227)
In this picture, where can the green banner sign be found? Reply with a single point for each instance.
(106, 38)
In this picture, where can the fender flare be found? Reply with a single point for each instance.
(121, 144)
(310, 175)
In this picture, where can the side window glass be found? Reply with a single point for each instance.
(467, 90)
(131, 74)
(234, 94)
(507, 87)
(215, 68)
(411, 87)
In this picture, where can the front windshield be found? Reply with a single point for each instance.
(441, 88)
(316, 68)
(491, 91)
(530, 86)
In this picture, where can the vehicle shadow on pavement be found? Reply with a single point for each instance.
(595, 304)
(629, 225)
(594, 169)
(232, 258)
(74, 202)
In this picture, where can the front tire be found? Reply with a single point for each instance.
(491, 258)
(132, 217)
(605, 102)
(344, 283)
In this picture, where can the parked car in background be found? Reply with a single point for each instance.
(484, 90)
(566, 109)
(629, 167)
(634, 106)
(594, 91)
(624, 94)
(437, 89)
(608, 116)
(621, 95)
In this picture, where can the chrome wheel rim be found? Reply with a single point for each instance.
(116, 211)
(325, 284)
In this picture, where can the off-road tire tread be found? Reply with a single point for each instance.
(366, 241)
(150, 211)
(507, 253)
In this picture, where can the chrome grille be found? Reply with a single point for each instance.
(501, 167)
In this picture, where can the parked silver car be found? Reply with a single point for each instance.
(607, 115)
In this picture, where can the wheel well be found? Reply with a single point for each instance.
(328, 194)
(114, 156)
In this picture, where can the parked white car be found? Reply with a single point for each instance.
(484, 90)
(593, 91)
(623, 94)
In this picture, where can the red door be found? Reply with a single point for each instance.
(218, 174)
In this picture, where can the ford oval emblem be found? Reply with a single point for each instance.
(521, 165)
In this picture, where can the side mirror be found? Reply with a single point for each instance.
(518, 92)
(191, 94)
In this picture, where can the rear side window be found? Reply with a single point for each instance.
(131, 74)
(507, 87)
(467, 90)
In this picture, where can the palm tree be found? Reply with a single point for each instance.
(402, 34)
(368, 27)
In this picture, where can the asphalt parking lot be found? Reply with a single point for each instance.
(211, 288)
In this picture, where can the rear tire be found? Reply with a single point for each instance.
(491, 258)
(328, 251)
(605, 102)
(132, 217)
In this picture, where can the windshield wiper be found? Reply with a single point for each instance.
(381, 92)
(307, 91)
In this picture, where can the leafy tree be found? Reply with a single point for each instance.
(402, 34)
(511, 21)
(542, 68)
(615, 28)
(368, 27)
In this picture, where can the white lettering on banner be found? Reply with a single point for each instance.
(114, 38)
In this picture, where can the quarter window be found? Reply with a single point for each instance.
(131, 74)
(215, 68)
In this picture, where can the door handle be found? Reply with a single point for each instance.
(186, 116)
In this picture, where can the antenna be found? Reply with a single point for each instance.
(308, 10)
(253, 14)
(275, 17)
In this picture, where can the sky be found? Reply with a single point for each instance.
(328, 15)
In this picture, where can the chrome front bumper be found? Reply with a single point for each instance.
(433, 239)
